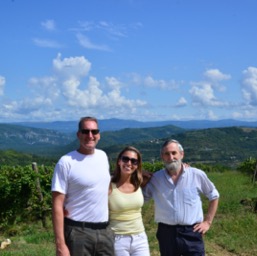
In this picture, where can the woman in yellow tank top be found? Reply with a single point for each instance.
(125, 203)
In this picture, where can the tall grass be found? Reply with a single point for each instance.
(234, 228)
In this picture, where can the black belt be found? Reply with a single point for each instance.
(175, 226)
(92, 225)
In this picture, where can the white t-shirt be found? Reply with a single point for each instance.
(84, 179)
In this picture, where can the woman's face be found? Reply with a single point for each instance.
(128, 162)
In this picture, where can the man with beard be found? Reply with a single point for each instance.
(176, 191)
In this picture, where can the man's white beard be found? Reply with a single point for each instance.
(173, 166)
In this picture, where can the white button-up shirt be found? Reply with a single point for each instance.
(180, 203)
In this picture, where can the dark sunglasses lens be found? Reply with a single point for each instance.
(86, 131)
(134, 161)
(96, 131)
(126, 159)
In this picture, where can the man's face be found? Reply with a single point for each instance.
(172, 157)
(88, 137)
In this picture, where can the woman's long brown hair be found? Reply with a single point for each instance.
(136, 177)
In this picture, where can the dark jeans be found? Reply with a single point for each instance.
(84, 241)
(179, 240)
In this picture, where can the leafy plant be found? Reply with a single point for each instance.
(249, 167)
(19, 192)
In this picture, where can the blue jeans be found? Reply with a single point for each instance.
(179, 240)
(131, 245)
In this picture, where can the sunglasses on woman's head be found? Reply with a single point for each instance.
(126, 159)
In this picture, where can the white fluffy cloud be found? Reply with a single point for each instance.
(246, 112)
(151, 82)
(211, 115)
(181, 102)
(2, 84)
(91, 95)
(77, 97)
(249, 85)
(70, 91)
(87, 43)
(73, 67)
(202, 93)
(46, 43)
(48, 25)
(216, 75)
(45, 86)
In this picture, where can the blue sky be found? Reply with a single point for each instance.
(145, 60)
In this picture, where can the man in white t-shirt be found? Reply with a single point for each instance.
(80, 186)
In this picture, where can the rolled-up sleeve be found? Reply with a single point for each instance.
(214, 194)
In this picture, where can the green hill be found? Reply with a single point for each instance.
(224, 146)
(29, 140)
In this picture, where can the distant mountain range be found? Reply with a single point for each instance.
(118, 124)
(223, 145)
(38, 141)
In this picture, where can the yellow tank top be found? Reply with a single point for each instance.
(125, 211)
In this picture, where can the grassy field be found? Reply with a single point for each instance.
(233, 232)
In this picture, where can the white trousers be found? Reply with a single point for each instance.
(131, 245)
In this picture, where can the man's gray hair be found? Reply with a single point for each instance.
(167, 142)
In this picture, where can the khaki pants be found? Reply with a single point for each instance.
(83, 241)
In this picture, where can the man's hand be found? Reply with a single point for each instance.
(146, 177)
(202, 227)
(62, 250)
(186, 165)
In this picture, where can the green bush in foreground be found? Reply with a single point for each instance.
(25, 194)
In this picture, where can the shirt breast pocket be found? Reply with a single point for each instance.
(190, 196)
